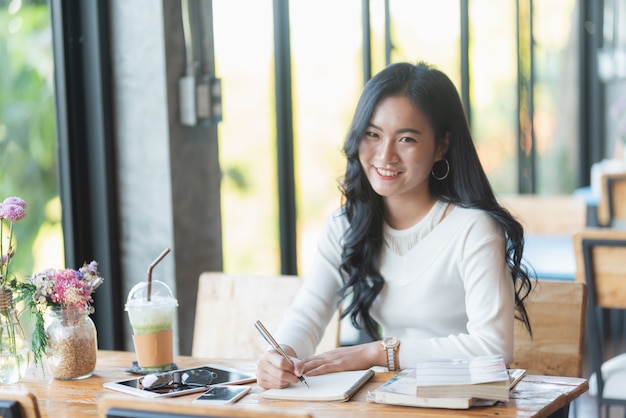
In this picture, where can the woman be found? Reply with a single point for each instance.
(420, 253)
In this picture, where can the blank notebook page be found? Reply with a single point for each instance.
(339, 386)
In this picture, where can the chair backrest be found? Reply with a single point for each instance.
(18, 404)
(601, 263)
(612, 204)
(556, 310)
(110, 406)
(228, 306)
(547, 214)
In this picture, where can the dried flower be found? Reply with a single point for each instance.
(65, 288)
(12, 209)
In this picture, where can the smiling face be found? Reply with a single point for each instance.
(398, 151)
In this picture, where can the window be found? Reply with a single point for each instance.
(247, 136)
(556, 96)
(27, 133)
(326, 57)
(327, 80)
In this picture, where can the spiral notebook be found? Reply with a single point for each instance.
(340, 386)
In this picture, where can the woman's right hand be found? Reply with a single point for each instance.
(273, 371)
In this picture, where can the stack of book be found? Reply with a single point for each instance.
(450, 383)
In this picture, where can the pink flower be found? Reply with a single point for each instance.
(67, 287)
(12, 209)
(71, 292)
(12, 213)
(15, 201)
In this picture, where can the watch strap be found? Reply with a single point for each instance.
(391, 348)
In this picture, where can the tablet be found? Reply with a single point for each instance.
(181, 382)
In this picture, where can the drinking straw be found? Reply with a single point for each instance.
(154, 263)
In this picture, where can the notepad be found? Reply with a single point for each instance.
(340, 386)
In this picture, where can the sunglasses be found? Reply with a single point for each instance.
(177, 379)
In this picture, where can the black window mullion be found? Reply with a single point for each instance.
(86, 153)
(591, 96)
(284, 138)
(465, 60)
(388, 41)
(525, 66)
(367, 40)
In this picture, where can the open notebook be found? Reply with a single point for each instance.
(339, 386)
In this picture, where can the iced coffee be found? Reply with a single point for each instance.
(152, 320)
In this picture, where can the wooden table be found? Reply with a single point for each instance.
(534, 396)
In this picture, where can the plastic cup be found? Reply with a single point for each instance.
(152, 322)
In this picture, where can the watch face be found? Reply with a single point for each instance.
(390, 342)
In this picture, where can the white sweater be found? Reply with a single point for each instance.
(450, 296)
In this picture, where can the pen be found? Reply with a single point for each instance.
(268, 337)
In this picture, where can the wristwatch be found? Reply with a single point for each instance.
(391, 345)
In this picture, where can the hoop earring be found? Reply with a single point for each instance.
(445, 175)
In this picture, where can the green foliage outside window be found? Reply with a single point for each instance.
(28, 159)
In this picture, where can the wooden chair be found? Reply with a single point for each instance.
(228, 306)
(549, 223)
(110, 406)
(612, 204)
(557, 317)
(547, 214)
(601, 263)
(556, 309)
(18, 404)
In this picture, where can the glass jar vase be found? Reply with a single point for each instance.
(14, 349)
(72, 343)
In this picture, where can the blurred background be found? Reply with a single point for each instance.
(92, 136)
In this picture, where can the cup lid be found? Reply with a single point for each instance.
(160, 295)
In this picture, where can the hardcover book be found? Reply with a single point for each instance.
(401, 390)
(484, 377)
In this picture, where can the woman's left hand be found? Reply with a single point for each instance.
(356, 357)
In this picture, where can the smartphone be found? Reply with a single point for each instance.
(222, 394)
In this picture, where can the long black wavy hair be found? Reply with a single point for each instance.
(466, 185)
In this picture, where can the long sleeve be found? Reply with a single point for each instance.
(449, 296)
(318, 299)
(452, 295)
